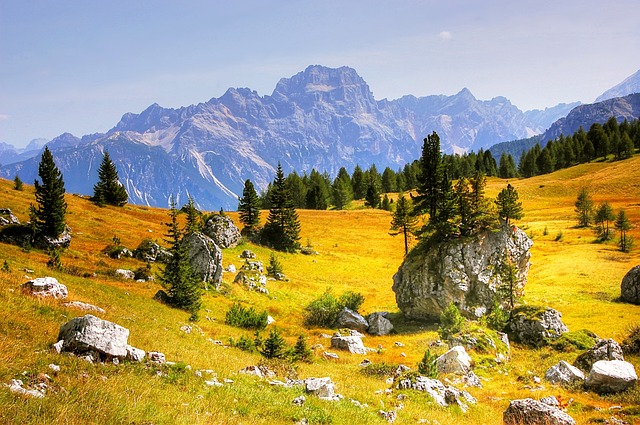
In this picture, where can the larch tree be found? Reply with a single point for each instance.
(109, 190)
(604, 216)
(584, 208)
(48, 218)
(623, 226)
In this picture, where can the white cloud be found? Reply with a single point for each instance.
(445, 35)
(4, 117)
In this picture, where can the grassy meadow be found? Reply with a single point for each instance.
(569, 272)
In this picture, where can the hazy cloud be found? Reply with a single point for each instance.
(445, 35)
(4, 117)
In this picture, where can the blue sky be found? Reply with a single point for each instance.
(78, 66)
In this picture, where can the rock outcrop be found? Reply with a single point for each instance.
(205, 258)
(533, 326)
(611, 376)
(222, 230)
(444, 395)
(604, 349)
(7, 217)
(150, 251)
(630, 287)
(322, 388)
(462, 271)
(45, 287)
(456, 360)
(47, 242)
(533, 412)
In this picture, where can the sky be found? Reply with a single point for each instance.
(78, 65)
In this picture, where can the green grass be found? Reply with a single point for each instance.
(579, 278)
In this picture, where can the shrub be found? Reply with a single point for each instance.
(631, 343)
(244, 343)
(351, 300)
(5, 267)
(246, 318)
(498, 318)
(143, 273)
(301, 351)
(274, 266)
(380, 369)
(323, 311)
(451, 321)
(427, 366)
(274, 347)
(559, 236)
(54, 262)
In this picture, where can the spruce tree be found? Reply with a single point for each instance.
(17, 183)
(404, 221)
(178, 278)
(109, 190)
(193, 223)
(508, 204)
(358, 183)
(282, 230)
(249, 206)
(372, 198)
(47, 218)
(430, 177)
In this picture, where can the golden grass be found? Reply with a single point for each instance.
(575, 275)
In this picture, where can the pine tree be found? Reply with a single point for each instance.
(48, 218)
(341, 190)
(178, 278)
(604, 215)
(445, 226)
(301, 351)
(623, 226)
(358, 183)
(404, 221)
(17, 183)
(249, 206)
(481, 216)
(282, 230)
(584, 208)
(109, 190)
(430, 177)
(508, 204)
(372, 198)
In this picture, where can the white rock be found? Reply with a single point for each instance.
(611, 376)
(125, 274)
(92, 333)
(45, 287)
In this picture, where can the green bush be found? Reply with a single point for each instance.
(244, 343)
(246, 318)
(323, 311)
(631, 343)
(427, 366)
(351, 300)
(574, 341)
(451, 321)
(380, 369)
(274, 347)
(498, 318)
(301, 351)
(143, 273)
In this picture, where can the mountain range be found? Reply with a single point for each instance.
(322, 118)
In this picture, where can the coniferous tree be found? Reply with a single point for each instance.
(404, 221)
(508, 204)
(109, 190)
(358, 183)
(249, 207)
(388, 180)
(298, 190)
(604, 215)
(481, 214)
(193, 217)
(274, 346)
(623, 226)
(48, 218)
(17, 183)
(341, 190)
(430, 177)
(282, 230)
(372, 198)
(584, 208)
(178, 278)
(445, 225)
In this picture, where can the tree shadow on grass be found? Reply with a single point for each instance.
(403, 325)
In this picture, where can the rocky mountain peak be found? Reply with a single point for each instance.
(629, 86)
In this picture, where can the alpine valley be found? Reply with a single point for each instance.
(322, 118)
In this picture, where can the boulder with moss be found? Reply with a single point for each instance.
(464, 271)
(630, 287)
(535, 326)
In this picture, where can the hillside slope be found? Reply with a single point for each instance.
(574, 275)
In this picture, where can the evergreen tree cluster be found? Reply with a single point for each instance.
(109, 190)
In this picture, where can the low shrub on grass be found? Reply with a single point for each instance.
(246, 318)
(427, 366)
(380, 370)
(574, 341)
(451, 321)
(631, 343)
(323, 311)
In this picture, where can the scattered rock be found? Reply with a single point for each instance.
(16, 387)
(365, 363)
(389, 416)
(604, 349)
(379, 323)
(230, 268)
(91, 334)
(54, 368)
(134, 354)
(441, 394)
(255, 266)
(463, 271)
(205, 258)
(150, 251)
(533, 326)
(471, 380)
(299, 401)
(322, 388)
(328, 355)
(630, 287)
(564, 374)
(352, 344)
(125, 274)
(307, 250)
(270, 320)
(456, 360)
(83, 306)
(7, 217)
(550, 401)
(611, 376)
(213, 382)
(48, 243)
(222, 230)
(351, 320)
(57, 347)
(398, 344)
(45, 287)
(156, 357)
(532, 412)
(247, 254)
(280, 277)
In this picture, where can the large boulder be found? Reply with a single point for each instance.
(45, 287)
(222, 230)
(630, 287)
(604, 349)
(464, 271)
(205, 258)
(379, 323)
(350, 319)
(444, 395)
(533, 412)
(611, 376)
(352, 344)
(456, 360)
(564, 374)
(533, 326)
(92, 334)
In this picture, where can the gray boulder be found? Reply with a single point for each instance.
(611, 376)
(134, 354)
(322, 388)
(534, 325)
(205, 258)
(125, 274)
(533, 412)
(456, 360)
(351, 320)
(463, 271)
(444, 395)
(83, 306)
(91, 334)
(45, 287)
(604, 349)
(352, 344)
(247, 254)
(379, 323)
(7, 217)
(564, 374)
(630, 287)
(223, 231)
(150, 251)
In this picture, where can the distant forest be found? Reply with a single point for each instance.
(316, 190)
